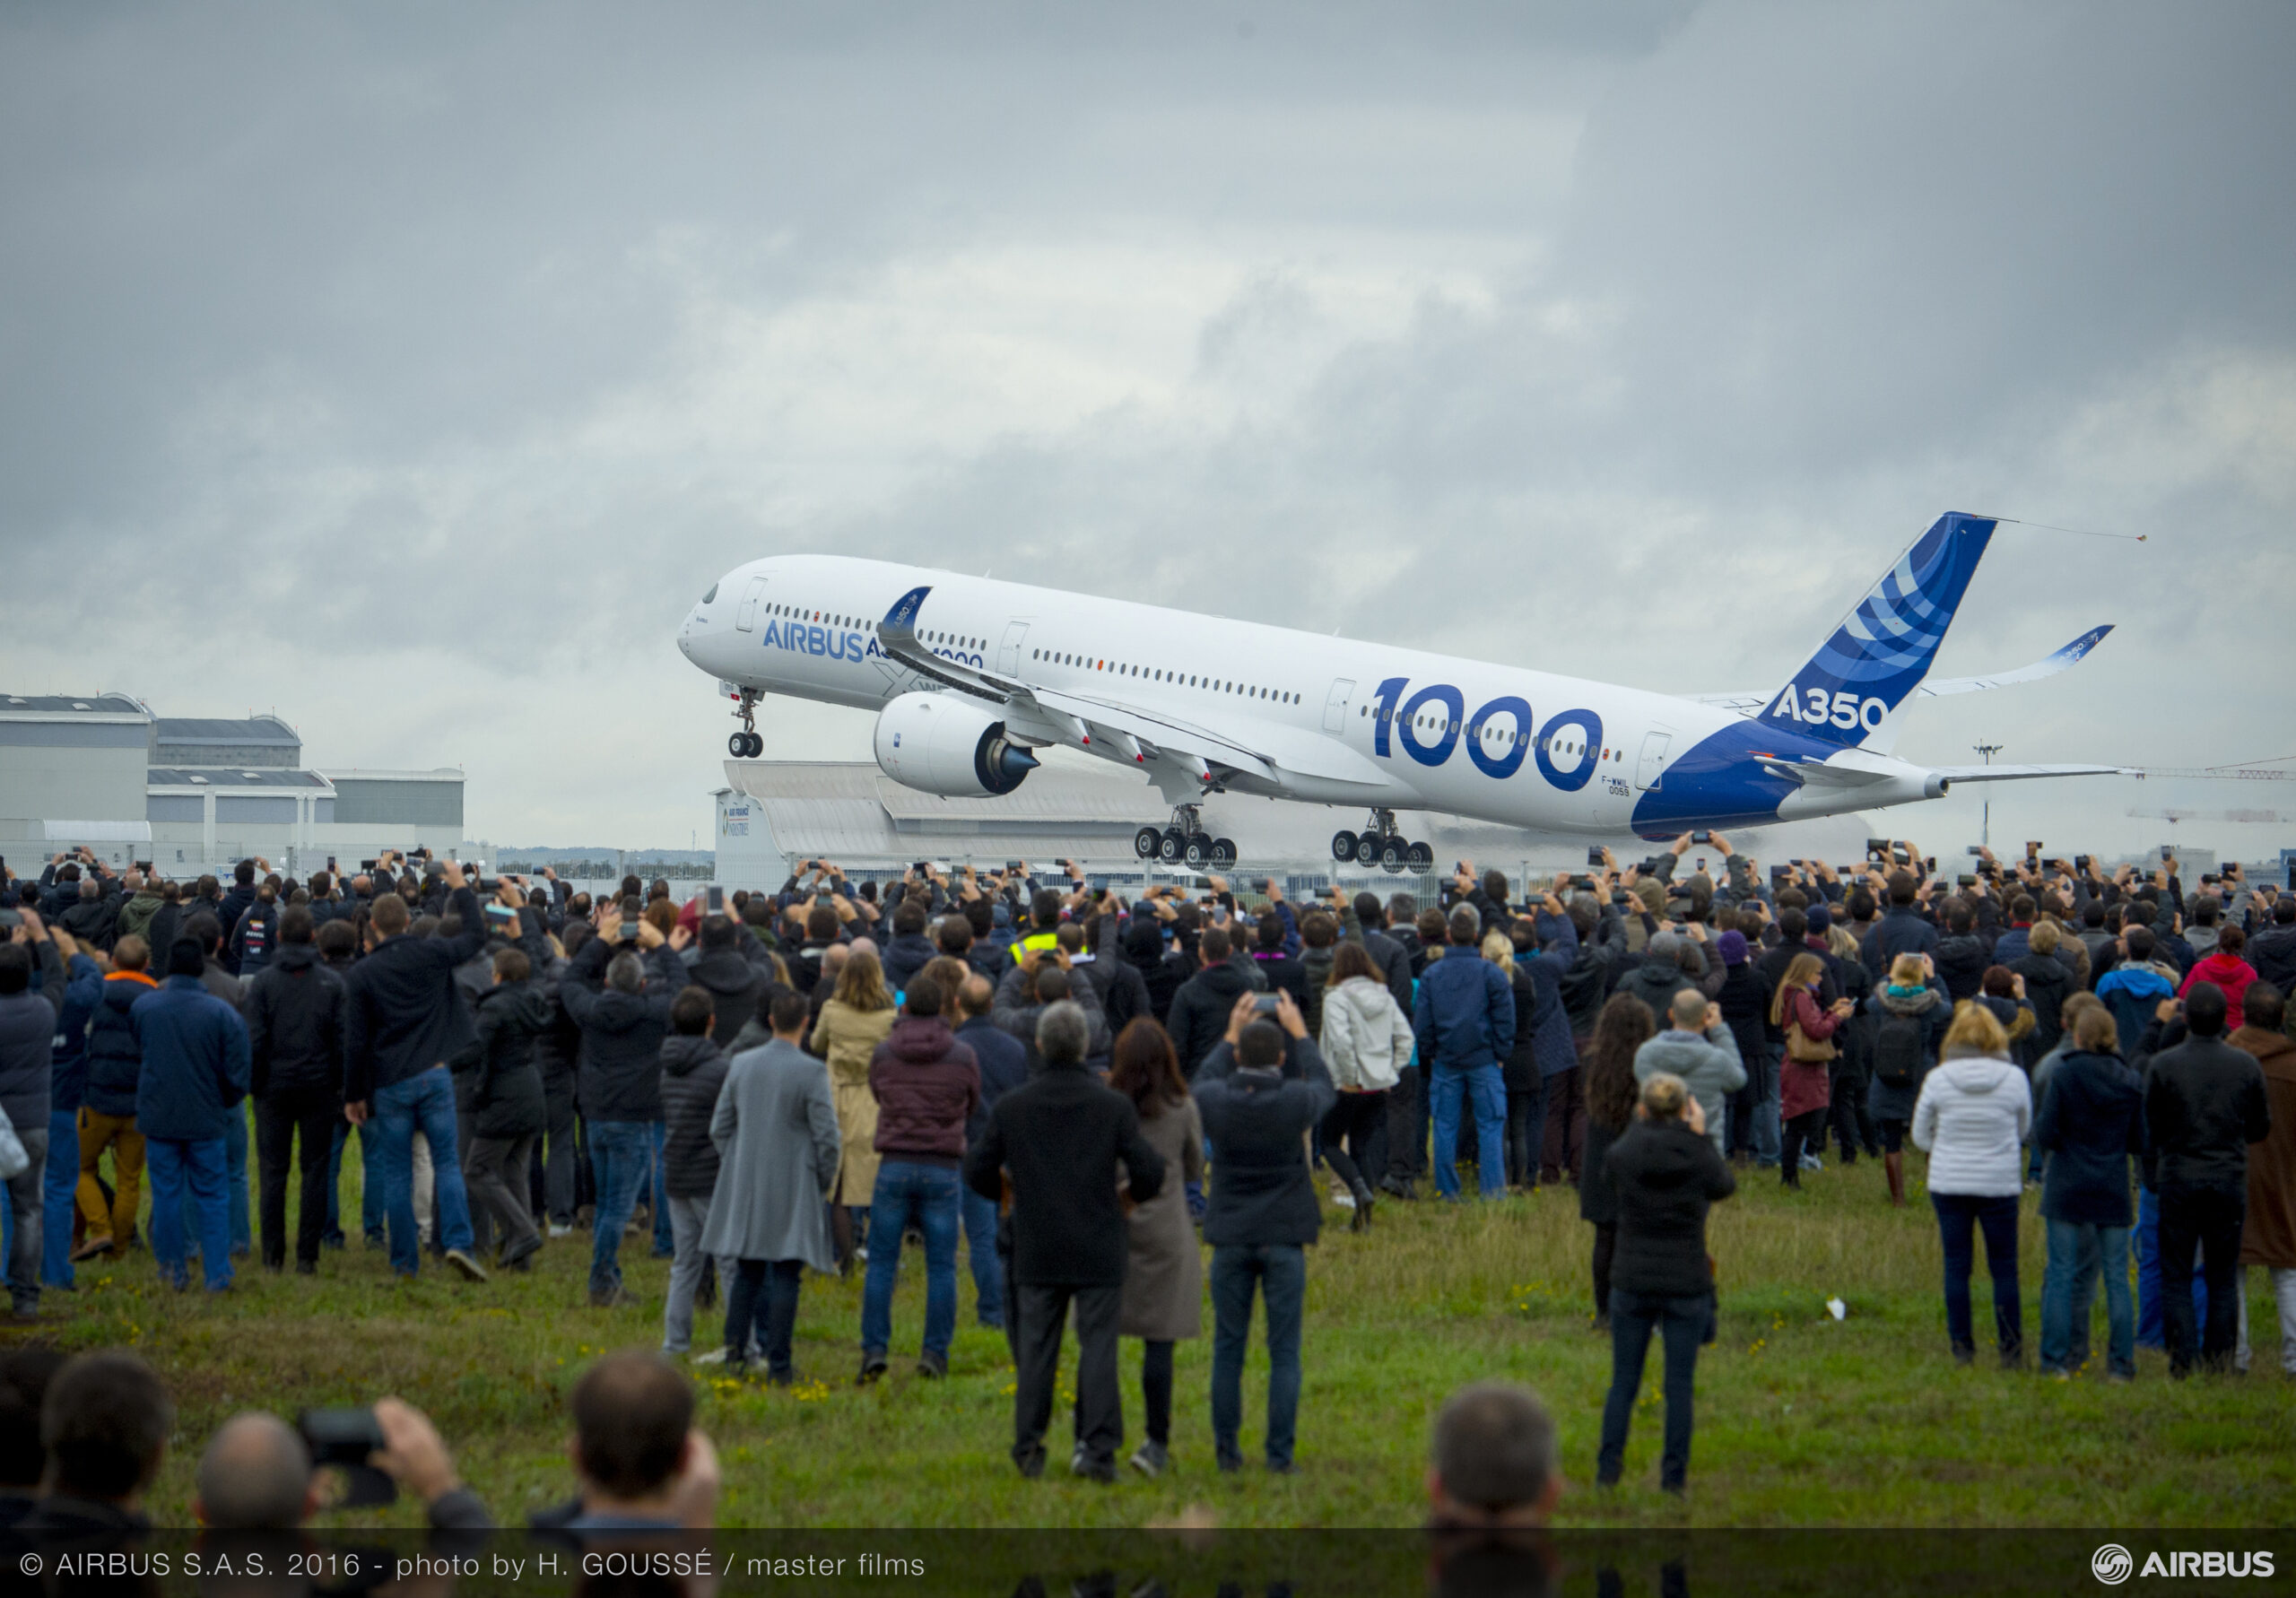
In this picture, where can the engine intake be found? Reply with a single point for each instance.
(949, 744)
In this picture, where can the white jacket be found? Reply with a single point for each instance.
(1367, 1038)
(1974, 1115)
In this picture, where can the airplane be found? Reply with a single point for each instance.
(971, 677)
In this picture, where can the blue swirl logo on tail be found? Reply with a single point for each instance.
(1883, 649)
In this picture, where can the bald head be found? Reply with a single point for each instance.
(254, 1476)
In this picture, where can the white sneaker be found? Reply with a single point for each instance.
(1342, 1198)
(715, 1356)
(557, 1230)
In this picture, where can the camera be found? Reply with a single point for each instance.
(1259, 884)
(1584, 883)
(1877, 848)
(2080, 863)
(346, 1439)
(1967, 880)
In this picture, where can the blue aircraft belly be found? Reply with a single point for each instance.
(1721, 783)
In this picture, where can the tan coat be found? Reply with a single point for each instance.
(846, 1038)
(1163, 1277)
(2269, 1236)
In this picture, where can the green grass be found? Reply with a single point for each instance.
(1802, 1420)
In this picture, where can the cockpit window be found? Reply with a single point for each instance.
(710, 597)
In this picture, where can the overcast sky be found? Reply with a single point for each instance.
(411, 369)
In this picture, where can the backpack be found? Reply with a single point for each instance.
(254, 940)
(1897, 1048)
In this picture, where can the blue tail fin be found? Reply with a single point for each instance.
(1849, 691)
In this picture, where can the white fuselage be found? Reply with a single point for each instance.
(1345, 722)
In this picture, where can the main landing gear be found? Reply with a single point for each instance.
(1377, 845)
(1185, 843)
(748, 743)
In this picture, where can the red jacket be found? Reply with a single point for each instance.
(927, 1086)
(1804, 1086)
(2228, 972)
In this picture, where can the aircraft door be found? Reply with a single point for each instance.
(745, 619)
(1008, 652)
(1335, 708)
(1648, 768)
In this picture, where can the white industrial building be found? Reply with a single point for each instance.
(194, 795)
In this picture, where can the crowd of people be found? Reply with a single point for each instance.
(1073, 1087)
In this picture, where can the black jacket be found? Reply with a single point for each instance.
(1061, 1136)
(2273, 953)
(2203, 1105)
(402, 1015)
(622, 1033)
(1962, 960)
(905, 956)
(1160, 974)
(733, 984)
(2091, 1121)
(115, 1058)
(693, 1069)
(1122, 990)
(294, 1014)
(1256, 1122)
(1199, 1015)
(1003, 1066)
(1597, 1203)
(1663, 1176)
(506, 1088)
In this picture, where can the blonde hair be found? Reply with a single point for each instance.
(2045, 937)
(861, 984)
(1800, 971)
(1976, 1031)
(1664, 1096)
(1905, 971)
(1498, 949)
(2096, 1030)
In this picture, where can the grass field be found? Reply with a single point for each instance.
(1802, 1420)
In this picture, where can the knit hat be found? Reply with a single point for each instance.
(1820, 918)
(1731, 947)
(1002, 915)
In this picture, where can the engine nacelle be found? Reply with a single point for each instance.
(949, 744)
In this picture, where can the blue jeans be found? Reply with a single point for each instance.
(1764, 1133)
(761, 1307)
(1279, 1270)
(58, 1186)
(1485, 1088)
(1960, 1215)
(20, 1209)
(665, 1237)
(981, 1248)
(620, 1152)
(371, 1184)
(1683, 1322)
(235, 1184)
(173, 1165)
(425, 1102)
(927, 1195)
(2077, 1252)
(2152, 1322)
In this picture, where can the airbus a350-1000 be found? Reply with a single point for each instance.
(970, 676)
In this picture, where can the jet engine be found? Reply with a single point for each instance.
(949, 744)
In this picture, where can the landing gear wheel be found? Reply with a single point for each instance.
(743, 746)
(1223, 853)
(1342, 847)
(757, 744)
(1393, 854)
(1197, 852)
(1147, 841)
(1422, 858)
(1171, 845)
(1367, 849)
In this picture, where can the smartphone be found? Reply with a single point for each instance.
(1967, 880)
(1265, 1004)
(500, 916)
(1974, 850)
(1594, 857)
(1259, 884)
(1779, 873)
(1011, 868)
(1930, 866)
(2033, 847)
(1700, 837)
(715, 897)
(1584, 884)
(1877, 848)
(2080, 863)
(346, 1439)
(2168, 853)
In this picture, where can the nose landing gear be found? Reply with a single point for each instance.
(1379, 845)
(746, 744)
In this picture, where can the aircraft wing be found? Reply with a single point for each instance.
(1145, 735)
(1748, 702)
(2020, 773)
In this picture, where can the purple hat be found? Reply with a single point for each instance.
(1732, 946)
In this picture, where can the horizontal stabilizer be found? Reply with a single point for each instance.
(2020, 773)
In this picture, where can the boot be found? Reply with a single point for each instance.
(1893, 1166)
(1361, 1222)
